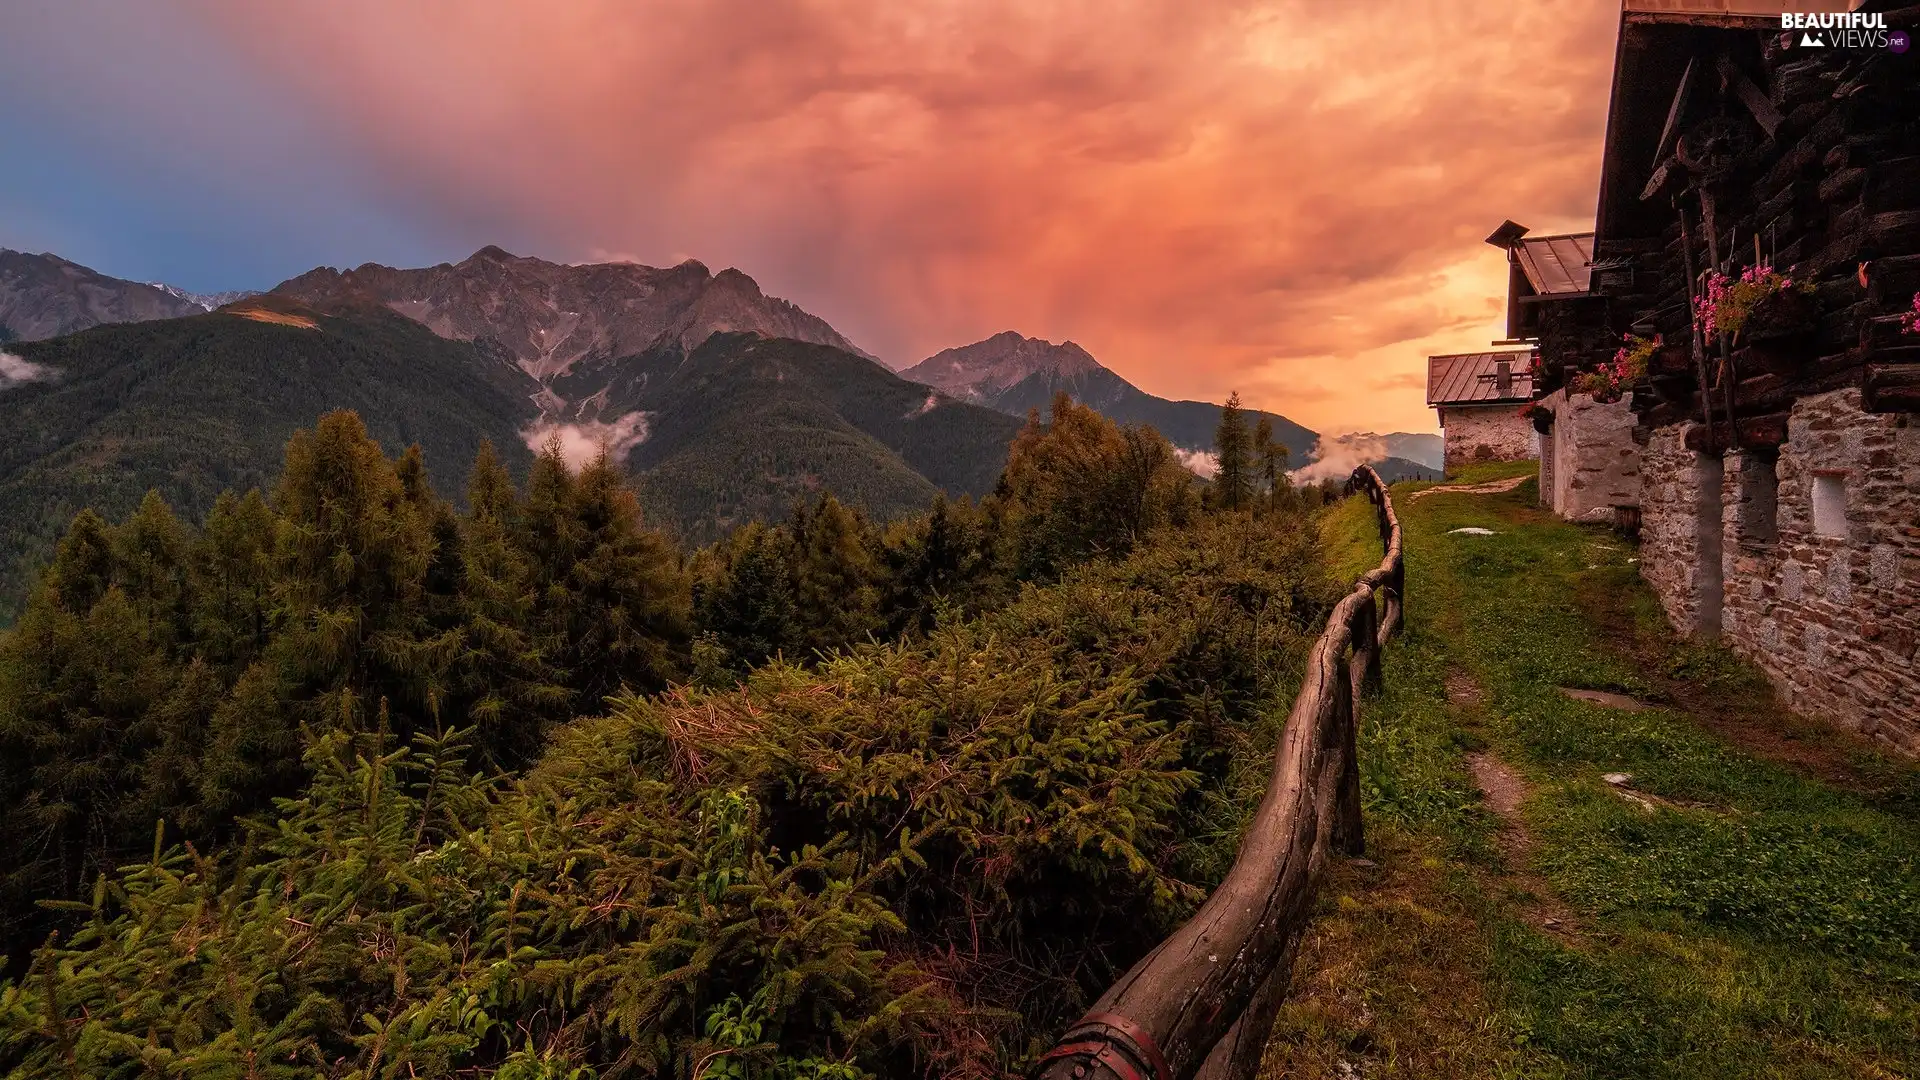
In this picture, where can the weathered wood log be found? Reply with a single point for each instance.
(1203, 1001)
(1891, 388)
(1752, 431)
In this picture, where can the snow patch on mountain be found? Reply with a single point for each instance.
(205, 301)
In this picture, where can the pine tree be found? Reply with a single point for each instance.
(1270, 458)
(93, 681)
(838, 579)
(610, 591)
(503, 681)
(353, 637)
(1233, 471)
(744, 601)
(232, 573)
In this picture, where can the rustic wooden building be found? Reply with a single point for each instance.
(1478, 397)
(1589, 463)
(1760, 217)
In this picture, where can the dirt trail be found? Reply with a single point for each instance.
(1503, 790)
(1491, 487)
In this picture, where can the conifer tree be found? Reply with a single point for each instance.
(744, 601)
(93, 679)
(1233, 471)
(1270, 459)
(503, 683)
(610, 589)
(837, 581)
(231, 571)
(353, 637)
(942, 558)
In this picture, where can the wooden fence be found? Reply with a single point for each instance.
(1202, 1003)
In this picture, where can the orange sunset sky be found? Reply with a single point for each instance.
(1282, 198)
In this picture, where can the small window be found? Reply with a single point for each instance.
(1759, 517)
(1830, 504)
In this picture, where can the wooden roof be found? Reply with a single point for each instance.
(1474, 378)
(1556, 265)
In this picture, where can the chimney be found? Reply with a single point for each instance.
(1503, 375)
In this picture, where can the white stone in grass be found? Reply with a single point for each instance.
(1618, 779)
(1472, 530)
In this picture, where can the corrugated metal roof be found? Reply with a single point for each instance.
(1556, 265)
(1474, 378)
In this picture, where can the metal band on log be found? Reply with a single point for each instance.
(1202, 1003)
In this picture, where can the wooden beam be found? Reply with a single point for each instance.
(1750, 431)
(1670, 133)
(1657, 181)
(1755, 99)
(1891, 388)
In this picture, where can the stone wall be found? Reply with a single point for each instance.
(1833, 619)
(1596, 463)
(1671, 482)
(1486, 433)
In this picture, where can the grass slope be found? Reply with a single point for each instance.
(1756, 912)
(746, 425)
(197, 405)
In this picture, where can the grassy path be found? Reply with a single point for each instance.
(1701, 888)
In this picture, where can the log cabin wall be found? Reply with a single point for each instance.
(1781, 474)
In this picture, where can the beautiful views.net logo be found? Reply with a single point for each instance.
(1843, 30)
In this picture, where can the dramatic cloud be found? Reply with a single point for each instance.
(1285, 197)
(15, 370)
(580, 443)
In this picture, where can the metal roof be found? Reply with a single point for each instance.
(1556, 265)
(1474, 378)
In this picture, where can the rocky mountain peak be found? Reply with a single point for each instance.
(1006, 358)
(551, 316)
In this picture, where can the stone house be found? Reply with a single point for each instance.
(1589, 463)
(1780, 469)
(1479, 397)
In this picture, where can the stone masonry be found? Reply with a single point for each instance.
(1486, 433)
(1828, 604)
(1671, 490)
(1596, 463)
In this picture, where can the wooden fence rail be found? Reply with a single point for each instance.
(1202, 1003)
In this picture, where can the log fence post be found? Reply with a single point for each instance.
(1203, 1002)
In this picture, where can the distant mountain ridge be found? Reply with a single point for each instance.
(45, 296)
(1014, 374)
(206, 301)
(552, 316)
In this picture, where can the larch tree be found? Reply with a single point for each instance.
(1233, 451)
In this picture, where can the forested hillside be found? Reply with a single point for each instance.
(353, 782)
(744, 425)
(191, 407)
(735, 432)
